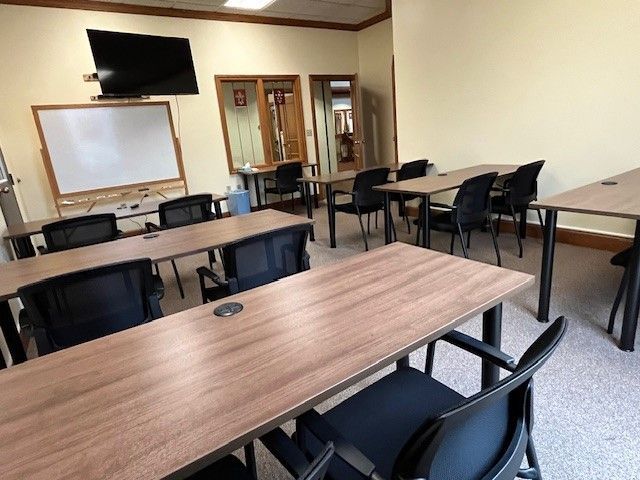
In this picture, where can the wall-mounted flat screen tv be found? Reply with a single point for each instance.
(133, 64)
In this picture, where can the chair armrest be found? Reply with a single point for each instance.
(204, 272)
(322, 430)
(269, 179)
(119, 233)
(335, 193)
(154, 306)
(42, 250)
(286, 452)
(152, 227)
(480, 349)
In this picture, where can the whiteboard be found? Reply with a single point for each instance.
(101, 147)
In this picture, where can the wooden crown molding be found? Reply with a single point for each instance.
(98, 6)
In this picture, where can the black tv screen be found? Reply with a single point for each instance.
(132, 64)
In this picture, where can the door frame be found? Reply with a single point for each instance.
(355, 107)
(263, 115)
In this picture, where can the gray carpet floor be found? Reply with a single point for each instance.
(586, 401)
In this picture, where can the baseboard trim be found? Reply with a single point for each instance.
(569, 236)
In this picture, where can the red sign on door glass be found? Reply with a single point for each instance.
(278, 95)
(240, 97)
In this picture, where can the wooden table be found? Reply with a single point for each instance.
(270, 169)
(165, 399)
(329, 180)
(168, 245)
(22, 231)
(612, 197)
(430, 185)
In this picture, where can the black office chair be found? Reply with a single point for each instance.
(257, 261)
(180, 212)
(409, 170)
(77, 307)
(286, 182)
(79, 232)
(283, 448)
(517, 194)
(410, 426)
(363, 198)
(620, 259)
(471, 210)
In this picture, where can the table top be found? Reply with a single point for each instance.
(618, 200)
(432, 184)
(269, 169)
(177, 393)
(344, 176)
(146, 207)
(174, 243)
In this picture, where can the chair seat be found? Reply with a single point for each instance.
(621, 259)
(282, 190)
(500, 205)
(381, 418)
(441, 221)
(351, 208)
(227, 468)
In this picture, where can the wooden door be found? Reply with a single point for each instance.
(358, 140)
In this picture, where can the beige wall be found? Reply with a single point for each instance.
(375, 53)
(45, 51)
(514, 81)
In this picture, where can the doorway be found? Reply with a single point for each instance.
(336, 122)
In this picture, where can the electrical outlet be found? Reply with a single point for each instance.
(309, 132)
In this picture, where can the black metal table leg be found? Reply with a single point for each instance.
(424, 214)
(387, 219)
(632, 305)
(217, 209)
(546, 274)
(331, 214)
(403, 363)
(10, 333)
(491, 334)
(315, 187)
(307, 194)
(256, 185)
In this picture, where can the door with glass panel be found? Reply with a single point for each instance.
(336, 121)
(262, 120)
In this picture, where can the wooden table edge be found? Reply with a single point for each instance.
(312, 402)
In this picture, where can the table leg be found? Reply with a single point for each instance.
(10, 333)
(217, 209)
(547, 265)
(387, 219)
(491, 334)
(331, 214)
(426, 233)
(256, 184)
(307, 194)
(632, 305)
(315, 187)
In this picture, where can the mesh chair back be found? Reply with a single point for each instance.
(77, 307)
(265, 258)
(523, 186)
(414, 169)
(364, 183)
(472, 200)
(80, 231)
(486, 436)
(186, 210)
(287, 175)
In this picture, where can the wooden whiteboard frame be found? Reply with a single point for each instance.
(46, 158)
